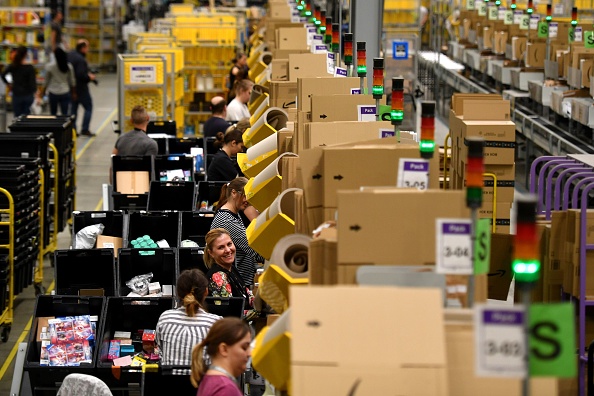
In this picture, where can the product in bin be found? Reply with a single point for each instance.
(114, 350)
(44, 355)
(78, 352)
(154, 288)
(61, 330)
(140, 284)
(120, 335)
(87, 237)
(82, 328)
(57, 355)
(126, 350)
(148, 341)
(137, 361)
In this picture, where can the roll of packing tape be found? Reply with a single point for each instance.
(290, 254)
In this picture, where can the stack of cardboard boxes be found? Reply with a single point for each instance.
(488, 117)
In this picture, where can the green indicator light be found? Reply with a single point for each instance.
(573, 23)
(398, 115)
(474, 194)
(300, 7)
(335, 47)
(307, 13)
(348, 59)
(361, 69)
(318, 22)
(549, 18)
(498, 3)
(513, 6)
(526, 270)
(377, 89)
(427, 146)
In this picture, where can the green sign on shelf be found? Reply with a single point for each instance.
(552, 340)
(482, 247)
(589, 39)
(543, 30)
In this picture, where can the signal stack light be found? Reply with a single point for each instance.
(526, 261)
(474, 173)
(348, 49)
(530, 8)
(513, 5)
(361, 64)
(322, 24)
(574, 16)
(336, 43)
(317, 15)
(427, 146)
(377, 89)
(397, 111)
(328, 36)
(549, 16)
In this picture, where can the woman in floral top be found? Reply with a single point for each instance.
(223, 277)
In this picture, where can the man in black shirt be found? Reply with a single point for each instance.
(83, 77)
(217, 122)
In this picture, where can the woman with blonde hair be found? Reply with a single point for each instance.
(228, 346)
(178, 330)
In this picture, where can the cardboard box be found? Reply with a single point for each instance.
(462, 380)
(368, 222)
(405, 355)
(307, 65)
(41, 323)
(283, 94)
(288, 171)
(279, 70)
(518, 47)
(500, 274)
(459, 100)
(279, 11)
(109, 242)
(328, 134)
(495, 153)
(329, 108)
(132, 182)
(306, 87)
(535, 54)
(327, 169)
(496, 131)
(291, 38)
(322, 259)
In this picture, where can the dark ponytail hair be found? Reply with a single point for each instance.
(191, 287)
(232, 135)
(19, 56)
(236, 184)
(61, 59)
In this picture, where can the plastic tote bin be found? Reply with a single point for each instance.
(171, 195)
(169, 166)
(162, 382)
(58, 306)
(113, 223)
(132, 262)
(98, 271)
(189, 258)
(157, 225)
(127, 314)
(209, 191)
(195, 226)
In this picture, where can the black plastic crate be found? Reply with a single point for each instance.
(130, 202)
(162, 382)
(162, 263)
(131, 164)
(184, 145)
(190, 258)
(225, 306)
(176, 195)
(209, 191)
(195, 226)
(162, 127)
(113, 223)
(71, 278)
(165, 163)
(59, 306)
(60, 126)
(64, 213)
(157, 225)
(127, 314)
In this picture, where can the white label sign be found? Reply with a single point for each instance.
(145, 74)
(366, 113)
(318, 39)
(501, 13)
(578, 34)
(320, 49)
(453, 247)
(355, 91)
(558, 9)
(413, 173)
(330, 63)
(518, 17)
(385, 133)
(499, 341)
(534, 22)
(340, 72)
(553, 28)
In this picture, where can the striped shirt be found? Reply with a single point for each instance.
(245, 257)
(177, 333)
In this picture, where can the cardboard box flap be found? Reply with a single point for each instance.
(487, 110)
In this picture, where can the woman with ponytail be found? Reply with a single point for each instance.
(178, 330)
(228, 346)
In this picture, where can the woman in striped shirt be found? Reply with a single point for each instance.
(228, 217)
(178, 330)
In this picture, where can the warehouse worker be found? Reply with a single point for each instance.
(22, 82)
(231, 203)
(223, 166)
(238, 71)
(83, 78)
(56, 36)
(237, 109)
(178, 330)
(136, 142)
(216, 123)
(224, 280)
(228, 344)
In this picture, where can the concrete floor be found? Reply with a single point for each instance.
(92, 170)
